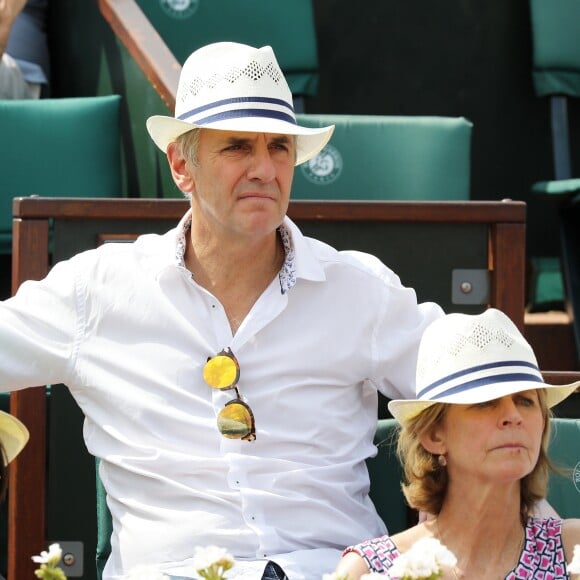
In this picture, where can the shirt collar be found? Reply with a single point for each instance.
(287, 274)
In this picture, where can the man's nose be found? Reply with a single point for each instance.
(262, 166)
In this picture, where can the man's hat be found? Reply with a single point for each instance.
(467, 359)
(235, 87)
(13, 435)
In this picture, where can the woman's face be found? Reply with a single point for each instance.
(498, 440)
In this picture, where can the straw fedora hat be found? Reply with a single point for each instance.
(235, 87)
(466, 359)
(13, 435)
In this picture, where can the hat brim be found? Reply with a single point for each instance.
(403, 410)
(310, 140)
(13, 435)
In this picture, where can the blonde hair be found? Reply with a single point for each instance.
(425, 481)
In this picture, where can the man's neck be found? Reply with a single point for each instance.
(237, 276)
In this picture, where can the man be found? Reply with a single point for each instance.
(228, 370)
(24, 55)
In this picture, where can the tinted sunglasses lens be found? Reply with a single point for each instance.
(236, 421)
(221, 371)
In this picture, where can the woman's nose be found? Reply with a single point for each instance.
(510, 413)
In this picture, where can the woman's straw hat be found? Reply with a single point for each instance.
(466, 359)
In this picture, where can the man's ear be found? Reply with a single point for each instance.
(434, 442)
(179, 171)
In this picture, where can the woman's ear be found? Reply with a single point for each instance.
(179, 169)
(433, 441)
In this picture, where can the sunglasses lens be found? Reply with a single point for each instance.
(221, 372)
(235, 421)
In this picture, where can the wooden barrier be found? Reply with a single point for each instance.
(79, 223)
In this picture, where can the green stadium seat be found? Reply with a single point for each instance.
(556, 76)
(57, 147)
(564, 489)
(386, 475)
(376, 157)
(288, 27)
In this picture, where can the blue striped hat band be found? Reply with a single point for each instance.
(480, 376)
(235, 108)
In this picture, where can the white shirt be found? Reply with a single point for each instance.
(128, 330)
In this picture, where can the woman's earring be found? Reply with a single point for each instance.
(442, 461)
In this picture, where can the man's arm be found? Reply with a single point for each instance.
(9, 10)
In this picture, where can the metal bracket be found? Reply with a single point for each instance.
(72, 562)
(469, 286)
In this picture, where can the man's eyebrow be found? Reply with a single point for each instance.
(283, 139)
(278, 139)
(237, 140)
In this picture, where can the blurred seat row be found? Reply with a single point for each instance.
(555, 30)
(94, 144)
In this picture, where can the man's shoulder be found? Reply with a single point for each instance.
(356, 262)
(146, 250)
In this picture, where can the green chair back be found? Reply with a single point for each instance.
(386, 475)
(564, 489)
(555, 30)
(374, 157)
(104, 525)
(57, 147)
(556, 50)
(288, 27)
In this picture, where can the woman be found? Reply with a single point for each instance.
(13, 438)
(474, 451)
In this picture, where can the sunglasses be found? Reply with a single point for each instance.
(235, 420)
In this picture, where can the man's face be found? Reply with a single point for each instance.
(241, 183)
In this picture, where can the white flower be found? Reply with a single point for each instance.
(574, 565)
(144, 572)
(212, 562)
(205, 557)
(424, 560)
(49, 569)
(51, 558)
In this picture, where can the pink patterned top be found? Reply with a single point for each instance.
(542, 556)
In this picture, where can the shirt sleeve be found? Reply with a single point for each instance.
(401, 321)
(39, 328)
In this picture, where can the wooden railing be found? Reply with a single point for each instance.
(145, 45)
(31, 226)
